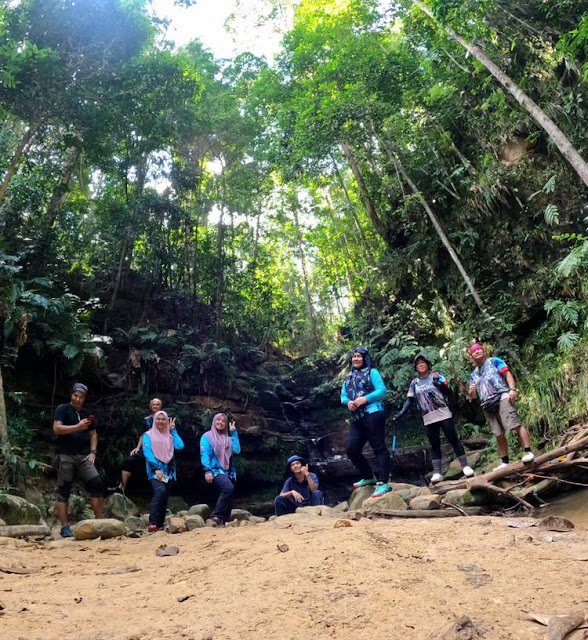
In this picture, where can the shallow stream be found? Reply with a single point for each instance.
(573, 506)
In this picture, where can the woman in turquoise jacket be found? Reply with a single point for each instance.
(361, 393)
(159, 446)
(217, 447)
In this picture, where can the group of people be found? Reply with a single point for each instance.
(491, 382)
(362, 392)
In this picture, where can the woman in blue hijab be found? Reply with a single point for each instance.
(361, 393)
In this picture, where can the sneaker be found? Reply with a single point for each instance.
(152, 528)
(437, 477)
(364, 483)
(468, 472)
(66, 532)
(502, 465)
(528, 456)
(381, 489)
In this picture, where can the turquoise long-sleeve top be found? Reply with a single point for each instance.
(210, 462)
(153, 464)
(373, 397)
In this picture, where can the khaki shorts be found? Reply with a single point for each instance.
(506, 419)
(70, 467)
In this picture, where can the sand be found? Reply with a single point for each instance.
(389, 579)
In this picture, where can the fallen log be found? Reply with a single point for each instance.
(433, 513)
(23, 530)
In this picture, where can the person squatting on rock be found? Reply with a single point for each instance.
(429, 391)
(77, 445)
(494, 385)
(136, 457)
(361, 393)
(301, 488)
(217, 447)
(159, 445)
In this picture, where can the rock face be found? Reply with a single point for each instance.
(202, 510)
(391, 501)
(106, 528)
(120, 507)
(15, 510)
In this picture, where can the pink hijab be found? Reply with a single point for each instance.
(221, 442)
(161, 441)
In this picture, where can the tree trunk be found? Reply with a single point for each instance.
(311, 313)
(220, 280)
(60, 191)
(441, 233)
(559, 138)
(3, 417)
(379, 227)
(14, 163)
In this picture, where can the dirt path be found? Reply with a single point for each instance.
(392, 579)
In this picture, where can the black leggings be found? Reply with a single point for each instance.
(371, 428)
(434, 434)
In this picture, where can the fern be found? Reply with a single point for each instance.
(551, 214)
(567, 340)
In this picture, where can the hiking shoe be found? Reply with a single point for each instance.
(152, 528)
(381, 489)
(502, 465)
(66, 532)
(528, 456)
(468, 472)
(437, 477)
(364, 483)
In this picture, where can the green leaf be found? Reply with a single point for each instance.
(551, 214)
(70, 351)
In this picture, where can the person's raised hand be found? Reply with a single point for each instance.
(305, 471)
(172, 424)
(232, 426)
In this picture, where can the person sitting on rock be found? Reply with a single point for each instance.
(77, 445)
(217, 447)
(494, 385)
(136, 456)
(429, 391)
(301, 488)
(159, 446)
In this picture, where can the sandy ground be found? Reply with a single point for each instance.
(392, 579)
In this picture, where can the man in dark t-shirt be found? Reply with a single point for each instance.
(301, 488)
(76, 449)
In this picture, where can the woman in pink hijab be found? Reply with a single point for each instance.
(159, 445)
(217, 447)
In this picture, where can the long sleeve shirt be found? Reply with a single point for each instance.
(210, 462)
(372, 398)
(153, 464)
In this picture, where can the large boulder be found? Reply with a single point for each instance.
(15, 510)
(408, 494)
(358, 496)
(202, 510)
(120, 507)
(106, 528)
(391, 501)
(466, 498)
(194, 522)
(425, 503)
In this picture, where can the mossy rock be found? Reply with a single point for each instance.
(358, 496)
(202, 510)
(120, 507)
(454, 470)
(391, 501)
(466, 498)
(15, 510)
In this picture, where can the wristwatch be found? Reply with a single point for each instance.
(94, 451)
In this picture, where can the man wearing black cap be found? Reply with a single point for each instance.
(77, 443)
(301, 488)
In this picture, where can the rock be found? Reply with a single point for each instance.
(341, 524)
(135, 523)
(176, 503)
(358, 496)
(78, 508)
(425, 491)
(426, 503)
(283, 547)
(176, 525)
(240, 514)
(390, 501)
(555, 523)
(454, 470)
(462, 629)
(341, 507)
(106, 528)
(183, 513)
(210, 523)
(164, 551)
(356, 514)
(202, 510)
(15, 510)
(120, 507)
(23, 530)
(33, 495)
(408, 494)
(310, 511)
(194, 522)
(257, 519)
(403, 486)
(2, 523)
(466, 498)
(233, 523)
(245, 523)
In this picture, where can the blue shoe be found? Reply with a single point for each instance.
(364, 483)
(66, 532)
(381, 489)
